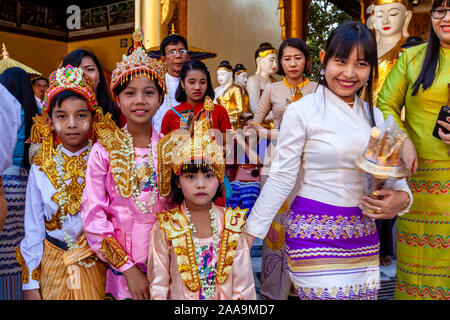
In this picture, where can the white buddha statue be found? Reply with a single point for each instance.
(266, 66)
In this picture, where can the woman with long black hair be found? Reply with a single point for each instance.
(419, 81)
(15, 178)
(332, 246)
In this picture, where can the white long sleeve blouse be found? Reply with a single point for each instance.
(10, 121)
(39, 205)
(323, 135)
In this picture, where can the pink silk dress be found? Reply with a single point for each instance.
(165, 279)
(105, 213)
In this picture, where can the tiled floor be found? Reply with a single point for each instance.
(387, 274)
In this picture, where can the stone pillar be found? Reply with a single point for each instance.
(147, 16)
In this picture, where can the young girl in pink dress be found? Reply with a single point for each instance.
(121, 196)
(197, 249)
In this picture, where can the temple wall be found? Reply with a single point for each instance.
(40, 54)
(233, 29)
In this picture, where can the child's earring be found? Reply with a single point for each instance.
(322, 74)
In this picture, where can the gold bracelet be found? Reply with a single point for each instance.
(407, 202)
(256, 124)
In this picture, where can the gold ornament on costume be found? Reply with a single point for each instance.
(74, 168)
(234, 221)
(23, 264)
(177, 228)
(198, 147)
(113, 252)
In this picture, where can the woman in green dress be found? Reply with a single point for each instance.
(419, 81)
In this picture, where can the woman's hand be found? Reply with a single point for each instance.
(444, 137)
(32, 294)
(409, 155)
(250, 239)
(388, 207)
(137, 283)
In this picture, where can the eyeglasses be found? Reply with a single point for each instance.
(439, 13)
(174, 52)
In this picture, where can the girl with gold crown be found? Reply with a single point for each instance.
(57, 263)
(122, 198)
(197, 249)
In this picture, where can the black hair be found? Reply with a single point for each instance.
(60, 97)
(340, 44)
(122, 86)
(34, 80)
(18, 83)
(430, 66)
(172, 39)
(237, 68)
(300, 45)
(102, 94)
(263, 47)
(180, 94)
(176, 195)
(225, 64)
(412, 41)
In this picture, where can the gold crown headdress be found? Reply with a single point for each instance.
(65, 78)
(198, 147)
(381, 158)
(137, 63)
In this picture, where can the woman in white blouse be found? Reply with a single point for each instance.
(331, 244)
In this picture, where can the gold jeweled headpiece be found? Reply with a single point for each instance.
(65, 78)
(70, 78)
(138, 63)
(198, 147)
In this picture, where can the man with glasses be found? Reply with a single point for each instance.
(174, 55)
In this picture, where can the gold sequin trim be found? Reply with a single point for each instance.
(113, 252)
(21, 260)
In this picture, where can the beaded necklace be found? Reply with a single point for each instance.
(64, 197)
(151, 184)
(208, 284)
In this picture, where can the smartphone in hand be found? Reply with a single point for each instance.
(443, 114)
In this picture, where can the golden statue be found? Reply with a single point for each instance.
(228, 94)
(390, 20)
(240, 77)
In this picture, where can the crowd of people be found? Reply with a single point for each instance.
(122, 190)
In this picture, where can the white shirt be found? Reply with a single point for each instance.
(39, 205)
(168, 103)
(39, 103)
(324, 136)
(10, 122)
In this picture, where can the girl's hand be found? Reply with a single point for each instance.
(249, 240)
(137, 283)
(32, 294)
(444, 137)
(388, 207)
(409, 155)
